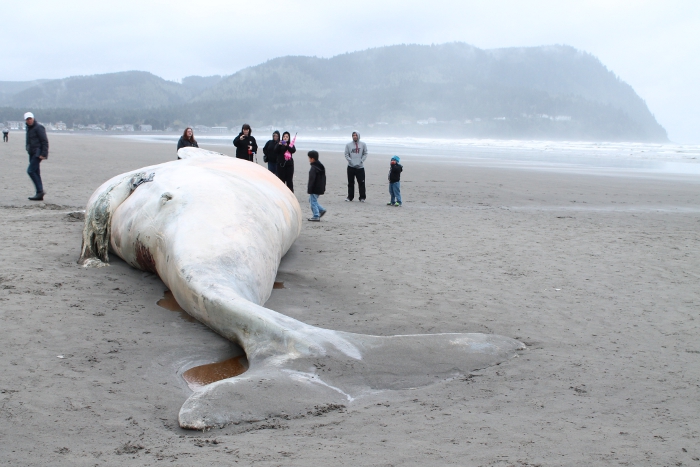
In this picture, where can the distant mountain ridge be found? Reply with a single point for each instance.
(512, 93)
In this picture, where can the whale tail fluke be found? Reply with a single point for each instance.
(292, 386)
(259, 395)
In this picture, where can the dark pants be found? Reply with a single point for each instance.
(359, 174)
(272, 167)
(4, 137)
(286, 173)
(34, 172)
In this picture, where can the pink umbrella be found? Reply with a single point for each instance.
(287, 154)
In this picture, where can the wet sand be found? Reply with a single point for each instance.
(597, 274)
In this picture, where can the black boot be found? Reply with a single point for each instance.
(39, 196)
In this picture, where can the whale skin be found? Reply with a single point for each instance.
(214, 229)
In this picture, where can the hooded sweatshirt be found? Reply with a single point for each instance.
(269, 148)
(317, 179)
(356, 153)
(395, 172)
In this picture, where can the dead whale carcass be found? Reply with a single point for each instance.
(214, 229)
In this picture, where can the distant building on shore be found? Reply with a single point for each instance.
(15, 125)
(146, 127)
(219, 129)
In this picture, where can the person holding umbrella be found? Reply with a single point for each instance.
(284, 150)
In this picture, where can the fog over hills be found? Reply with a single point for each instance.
(553, 92)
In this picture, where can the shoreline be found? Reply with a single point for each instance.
(606, 158)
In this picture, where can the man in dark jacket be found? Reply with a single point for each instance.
(269, 152)
(38, 149)
(5, 134)
(246, 147)
(317, 186)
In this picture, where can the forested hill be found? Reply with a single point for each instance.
(553, 92)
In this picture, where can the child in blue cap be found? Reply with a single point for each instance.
(395, 170)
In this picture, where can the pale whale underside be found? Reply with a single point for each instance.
(214, 229)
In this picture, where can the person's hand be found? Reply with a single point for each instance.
(42, 157)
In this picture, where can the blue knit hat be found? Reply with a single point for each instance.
(396, 158)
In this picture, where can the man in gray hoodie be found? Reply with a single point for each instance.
(355, 154)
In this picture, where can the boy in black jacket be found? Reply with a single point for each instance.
(317, 186)
(395, 170)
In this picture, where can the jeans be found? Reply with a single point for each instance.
(34, 172)
(359, 174)
(272, 167)
(395, 192)
(316, 208)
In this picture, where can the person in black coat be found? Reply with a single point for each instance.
(38, 149)
(246, 147)
(285, 168)
(316, 186)
(187, 140)
(269, 150)
(395, 170)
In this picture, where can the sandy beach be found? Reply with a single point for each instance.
(596, 273)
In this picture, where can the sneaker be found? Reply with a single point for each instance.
(348, 199)
(362, 200)
(398, 205)
(389, 204)
(314, 219)
(321, 214)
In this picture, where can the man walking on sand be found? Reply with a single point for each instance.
(355, 154)
(38, 149)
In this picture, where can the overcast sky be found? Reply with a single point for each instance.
(652, 45)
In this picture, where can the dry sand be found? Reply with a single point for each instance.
(598, 275)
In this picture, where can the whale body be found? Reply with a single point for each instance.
(214, 229)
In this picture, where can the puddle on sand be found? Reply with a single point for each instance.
(169, 303)
(278, 285)
(199, 376)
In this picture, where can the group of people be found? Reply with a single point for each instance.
(278, 154)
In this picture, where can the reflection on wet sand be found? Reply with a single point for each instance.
(202, 375)
(199, 376)
(169, 303)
